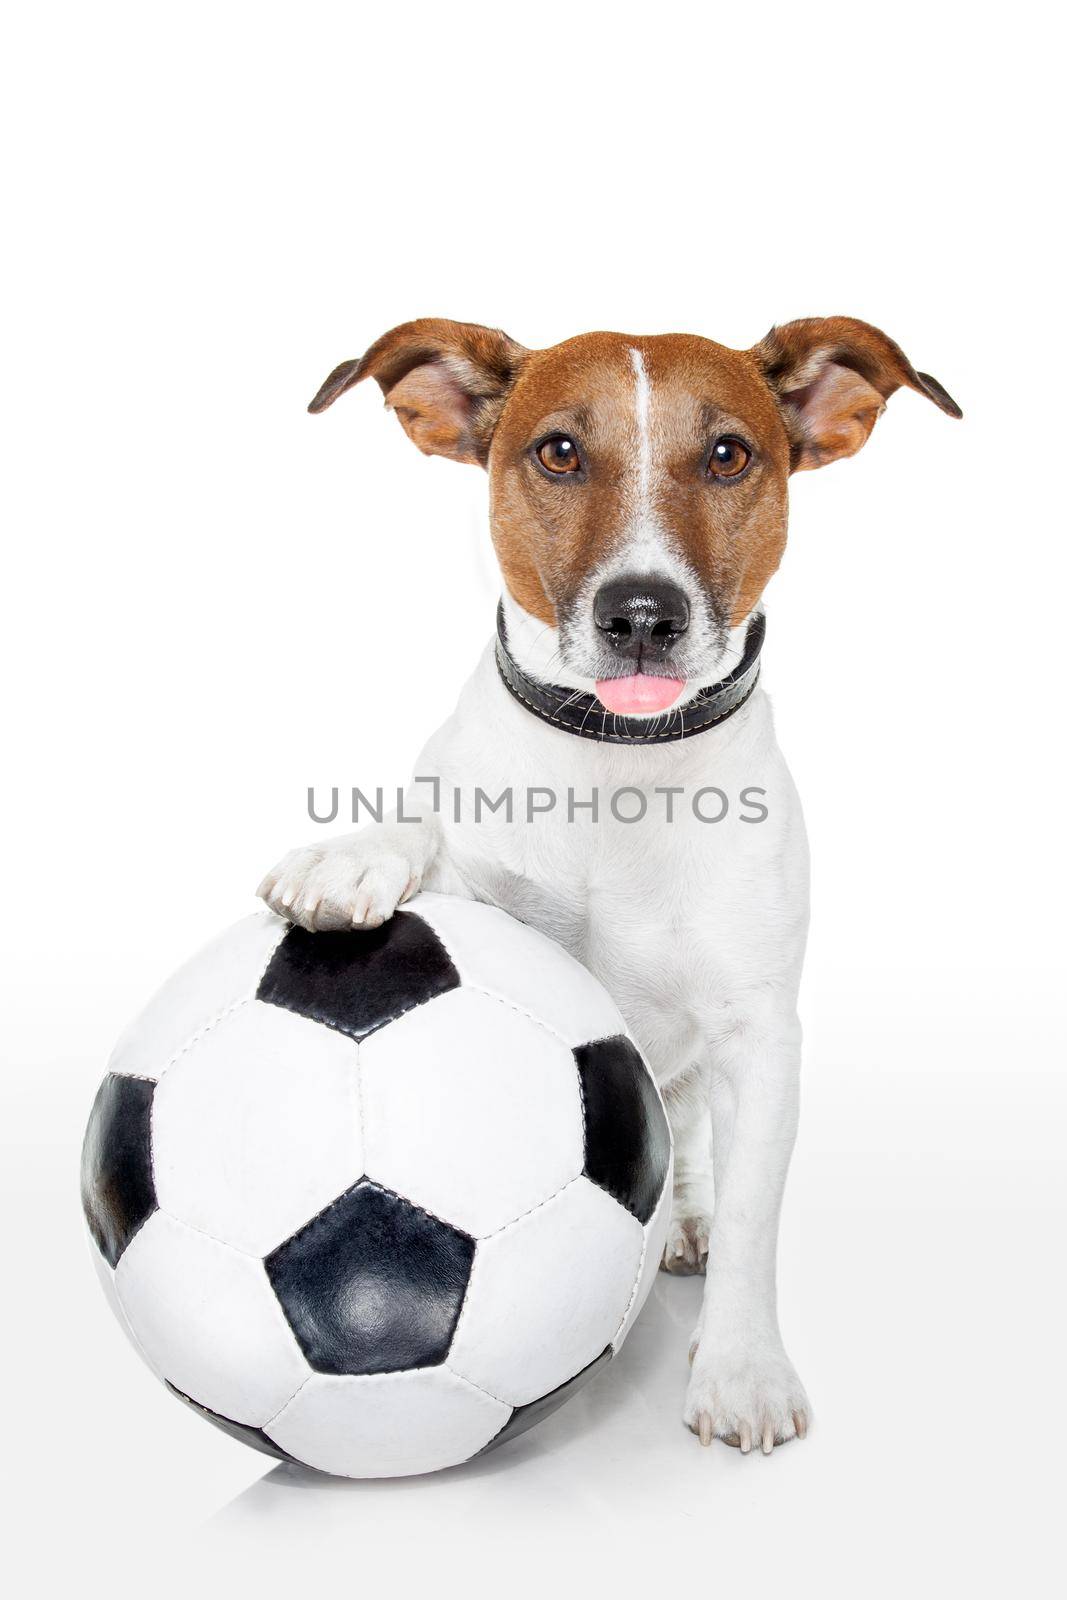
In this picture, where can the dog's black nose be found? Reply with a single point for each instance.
(641, 617)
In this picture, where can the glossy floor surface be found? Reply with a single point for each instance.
(920, 1299)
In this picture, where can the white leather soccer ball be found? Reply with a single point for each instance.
(375, 1202)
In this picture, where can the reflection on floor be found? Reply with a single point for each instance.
(599, 1474)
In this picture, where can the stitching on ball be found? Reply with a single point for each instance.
(484, 1237)
(357, 1090)
(223, 1244)
(285, 1406)
(283, 930)
(325, 1021)
(364, 1181)
(220, 1016)
(637, 1284)
(581, 1102)
(472, 1385)
(513, 1005)
(165, 1068)
(235, 1005)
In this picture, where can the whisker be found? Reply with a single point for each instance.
(585, 719)
(569, 700)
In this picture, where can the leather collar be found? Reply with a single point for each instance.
(575, 712)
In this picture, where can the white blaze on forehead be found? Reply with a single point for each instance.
(644, 548)
(643, 406)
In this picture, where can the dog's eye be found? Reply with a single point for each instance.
(728, 459)
(559, 454)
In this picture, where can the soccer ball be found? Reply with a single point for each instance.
(375, 1202)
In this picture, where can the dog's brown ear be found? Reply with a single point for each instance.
(832, 377)
(446, 381)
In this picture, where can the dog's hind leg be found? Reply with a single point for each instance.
(686, 1099)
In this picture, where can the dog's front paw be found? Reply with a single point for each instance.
(686, 1247)
(350, 883)
(744, 1398)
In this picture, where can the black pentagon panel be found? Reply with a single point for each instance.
(525, 1417)
(237, 1430)
(372, 1284)
(627, 1140)
(357, 982)
(118, 1192)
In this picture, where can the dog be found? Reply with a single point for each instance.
(638, 507)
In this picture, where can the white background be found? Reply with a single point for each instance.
(212, 600)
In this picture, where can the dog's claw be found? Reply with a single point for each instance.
(706, 1429)
(686, 1246)
(350, 883)
(756, 1405)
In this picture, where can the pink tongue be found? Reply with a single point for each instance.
(638, 695)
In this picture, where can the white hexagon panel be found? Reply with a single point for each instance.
(223, 974)
(471, 1109)
(207, 1318)
(548, 1294)
(255, 1127)
(398, 1423)
(492, 951)
(655, 1239)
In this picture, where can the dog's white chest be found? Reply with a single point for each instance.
(676, 892)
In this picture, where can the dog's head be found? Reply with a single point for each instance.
(638, 485)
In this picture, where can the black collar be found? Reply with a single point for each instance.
(576, 712)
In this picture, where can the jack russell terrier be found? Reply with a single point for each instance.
(638, 496)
